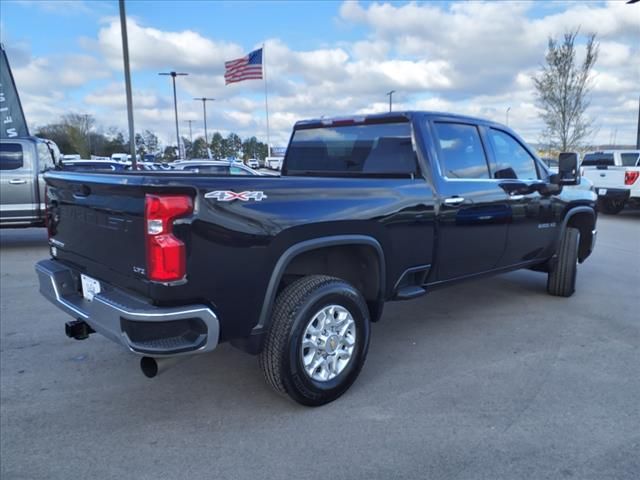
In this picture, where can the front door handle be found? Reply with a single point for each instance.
(516, 197)
(453, 201)
(17, 181)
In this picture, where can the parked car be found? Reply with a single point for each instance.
(273, 163)
(120, 157)
(215, 167)
(253, 163)
(22, 163)
(295, 268)
(614, 174)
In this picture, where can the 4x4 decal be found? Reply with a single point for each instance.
(229, 196)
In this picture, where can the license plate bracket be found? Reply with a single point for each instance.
(90, 287)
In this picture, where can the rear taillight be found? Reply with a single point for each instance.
(630, 177)
(166, 255)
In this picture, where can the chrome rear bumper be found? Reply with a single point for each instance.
(129, 320)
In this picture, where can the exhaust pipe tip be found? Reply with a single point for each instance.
(153, 366)
(149, 367)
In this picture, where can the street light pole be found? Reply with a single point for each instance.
(204, 113)
(190, 131)
(190, 136)
(175, 103)
(390, 94)
(127, 83)
(507, 115)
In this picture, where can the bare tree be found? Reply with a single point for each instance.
(78, 127)
(562, 91)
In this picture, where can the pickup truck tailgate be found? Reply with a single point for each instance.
(97, 225)
(611, 177)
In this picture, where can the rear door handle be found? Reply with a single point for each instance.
(453, 201)
(17, 181)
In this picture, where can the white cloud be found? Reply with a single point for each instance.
(151, 48)
(474, 58)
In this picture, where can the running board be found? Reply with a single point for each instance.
(409, 292)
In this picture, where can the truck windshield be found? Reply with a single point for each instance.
(377, 149)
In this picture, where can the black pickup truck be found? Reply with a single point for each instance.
(295, 268)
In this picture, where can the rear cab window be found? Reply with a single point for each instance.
(598, 159)
(384, 149)
(11, 156)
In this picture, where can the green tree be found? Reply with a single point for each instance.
(188, 147)
(141, 147)
(199, 148)
(250, 148)
(169, 154)
(151, 141)
(562, 91)
(116, 143)
(234, 145)
(217, 146)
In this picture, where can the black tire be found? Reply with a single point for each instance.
(611, 207)
(561, 281)
(281, 357)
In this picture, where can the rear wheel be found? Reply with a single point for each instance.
(611, 206)
(561, 281)
(318, 340)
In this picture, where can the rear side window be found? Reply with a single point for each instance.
(11, 156)
(461, 151)
(629, 159)
(595, 159)
(512, 160)
(385, 148)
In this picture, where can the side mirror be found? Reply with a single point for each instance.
(568, 170)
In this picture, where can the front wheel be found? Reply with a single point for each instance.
(561, 281)
(317, 341)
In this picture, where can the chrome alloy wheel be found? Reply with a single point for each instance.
(328, 343)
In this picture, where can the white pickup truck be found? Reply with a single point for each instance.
(614, 174)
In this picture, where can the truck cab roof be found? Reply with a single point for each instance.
(388, 117)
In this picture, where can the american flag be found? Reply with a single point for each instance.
(248, 67)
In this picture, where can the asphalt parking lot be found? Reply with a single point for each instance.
(487, 380)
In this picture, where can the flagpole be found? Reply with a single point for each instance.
(266, 101)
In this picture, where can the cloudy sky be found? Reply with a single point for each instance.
(322, 58)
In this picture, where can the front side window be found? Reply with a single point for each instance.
(512, 160)
(460, 150)
(11, 156)
(385, 148)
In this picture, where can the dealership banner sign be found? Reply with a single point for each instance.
(12, 121)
